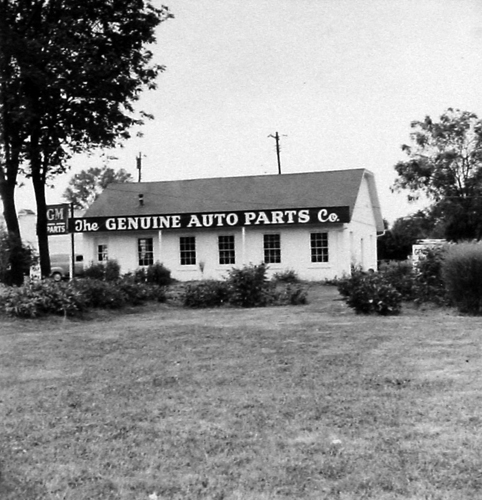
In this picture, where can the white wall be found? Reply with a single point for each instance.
(362, 234)
(295, 251)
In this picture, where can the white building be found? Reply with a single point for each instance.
(317, 223)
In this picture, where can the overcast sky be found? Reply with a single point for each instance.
(340, 80)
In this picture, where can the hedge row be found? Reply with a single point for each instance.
(156, 274)
(75, 297)
(104, 288)
(246, 287)
(462, 275)
(451, 275)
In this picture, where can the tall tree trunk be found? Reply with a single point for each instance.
(38, 181)
(7, 192)
(42, 235)
(36, 158)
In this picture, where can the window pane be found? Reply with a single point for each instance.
(226, 249)
(272, 248)
(319, 247)
(188, 250)
(145, 251)
(102, 254)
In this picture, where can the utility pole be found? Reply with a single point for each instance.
(276, 137)
(139, 166)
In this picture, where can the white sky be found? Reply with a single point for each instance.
(340, 80)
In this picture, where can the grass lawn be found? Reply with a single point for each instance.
(299, 402)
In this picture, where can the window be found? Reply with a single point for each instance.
(188, 250)
(102, 254)
(272, 248)
(319, 247)
(145, 251)
(226, 249)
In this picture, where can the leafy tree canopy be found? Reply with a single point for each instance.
(79, 67)
(85, 187)
(445, 164)
(71, 72)
(396, 243)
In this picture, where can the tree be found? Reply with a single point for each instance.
(79, 68)
(445, 164)
(85, 187)
(396, 243)
(12, 137)
(13, 255)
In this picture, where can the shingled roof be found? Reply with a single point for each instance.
(287, 191)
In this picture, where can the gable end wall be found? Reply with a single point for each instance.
(362, 232)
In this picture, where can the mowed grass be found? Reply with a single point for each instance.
(300, 402)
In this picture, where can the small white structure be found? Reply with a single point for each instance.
(317, 224)
(420, 248)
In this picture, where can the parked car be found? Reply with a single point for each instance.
(60, 266)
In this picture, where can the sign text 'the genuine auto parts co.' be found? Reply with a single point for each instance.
(248, 218)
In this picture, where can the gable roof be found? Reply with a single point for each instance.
(221, 194)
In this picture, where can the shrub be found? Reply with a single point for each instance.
(429, 284)
(370, 293)
(158, 274)
(297, 295)
(70, 298)
(401, 276)
(22, 302)
(139, 275)
(291, 294)
(288, 276)
(101, 294)
(95, 271)
(245, 287)
(139, 293)
(133, 293)
(208, 293)
(41, 298)
(462, 273)
(157, 293)
(59, 298)
(420, 283)
(248, 286)
(212, 293)
(110, 271)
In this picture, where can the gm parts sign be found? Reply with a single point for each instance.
(57, 219)
(249, 218)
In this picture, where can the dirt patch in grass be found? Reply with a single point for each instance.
(300, 402)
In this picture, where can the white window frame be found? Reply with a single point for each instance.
(319, 247)
(226, 250)
(145, 256)
(102, 252)
(187, 250)
(271, 253)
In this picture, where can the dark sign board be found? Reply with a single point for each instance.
(57, 219)
(248, 218)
